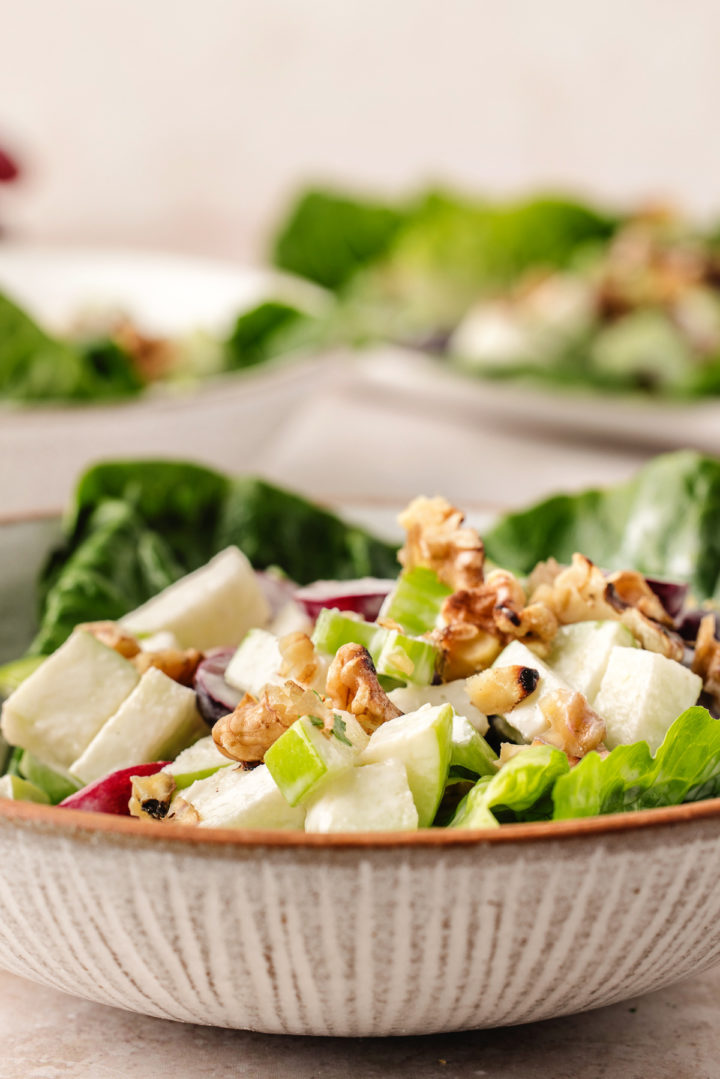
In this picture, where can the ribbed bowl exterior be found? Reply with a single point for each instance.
(365, 940)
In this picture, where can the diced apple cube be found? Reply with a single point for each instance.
(422, 741)
(21, 790)
(198, 761)
(410, 698)
(307, 754)
(235, 798)
(371, 798)
(216, 605)
(58, 710)
(469, 748)
(642, 693)
(580, 653)
(155, 722)
(256, 663)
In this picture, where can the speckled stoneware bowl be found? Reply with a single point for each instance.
(366, 935)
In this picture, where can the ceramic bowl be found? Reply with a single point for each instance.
(361, 935)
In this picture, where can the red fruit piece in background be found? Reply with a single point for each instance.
(9, 169)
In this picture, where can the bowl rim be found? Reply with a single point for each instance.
(125, 830)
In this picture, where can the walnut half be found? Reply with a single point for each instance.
(353, 686)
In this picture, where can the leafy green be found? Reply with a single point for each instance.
(37, 367)
(136, 526)
(328, 236)
(265, 331)
(519, 791)
(686, 768)
(664, 521)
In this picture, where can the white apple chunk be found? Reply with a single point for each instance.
(422, 741)
(198, 761)
(642, 693)
(235, 798)
(410, 698)
(580, 653)
(306, 754)
(256, 663)
(156, 721)
(58, 710)
(370, 798)
(214, 606)
(527, 717)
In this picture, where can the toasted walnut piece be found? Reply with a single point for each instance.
(152, 356)
(352, 685)
(465, 649)
(628, 588)
(543, 573)
(508, 750)
(573, 726)
(706, 661)
(182, 812)
(436, 539)
(300, 662)
(151, 795)
(112, 635)
(247, 733)
(501, 689)
(577, 594)
(653, 636)
(176, 664)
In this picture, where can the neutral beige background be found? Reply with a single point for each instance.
(185, 123)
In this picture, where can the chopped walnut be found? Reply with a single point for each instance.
(543, 573)
(352, 685)
(501, 689)
(112, 635)
(301, 663)
(573, 726)
(182, 812)
(175, 663)
(577, 593)
(437, 540)
(465, 649)
(706, 661)
(151, 795)
(628, 588)
(508, 750)
(247, 733)
(152, 357)
(653, 636)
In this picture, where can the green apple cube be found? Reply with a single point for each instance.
(422, 741)
(470, 750)
(370, 798)
(416, 600)
(198, 761)
(642, 693)
(56, 784)
(212, 607)
(236, 798)
(256, 663)
(20, 790)
(527, 717)
(14, 673)
(410, 698)
(57, 711)
(156, 721)
(580, 653)
(306, 754)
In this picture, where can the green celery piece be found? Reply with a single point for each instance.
(15, 672)
(55, 785)
(665, 521)
(516, 790)
(686, 767)
(407, 659)
(416, 600)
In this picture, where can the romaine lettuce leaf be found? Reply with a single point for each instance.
(519, 791)
(136, 526)
(37, 367)
(686, 768)
(665, 521)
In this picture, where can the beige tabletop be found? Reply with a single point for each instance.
(671, 1034)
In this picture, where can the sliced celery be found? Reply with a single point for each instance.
(406, 659)
(416, 600)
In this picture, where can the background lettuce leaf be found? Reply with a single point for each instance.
(665, 521)
(686, 768)
(136, 526)
(35, 366)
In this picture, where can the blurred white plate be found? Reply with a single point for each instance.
(653, 425)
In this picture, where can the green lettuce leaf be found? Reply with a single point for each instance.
(270, 329)
(37, 367)
(665, 521)
(136, 526)
(519, 791)
(686, 768)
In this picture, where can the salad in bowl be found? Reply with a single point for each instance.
(482, 685)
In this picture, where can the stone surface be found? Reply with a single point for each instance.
(667, 1035)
